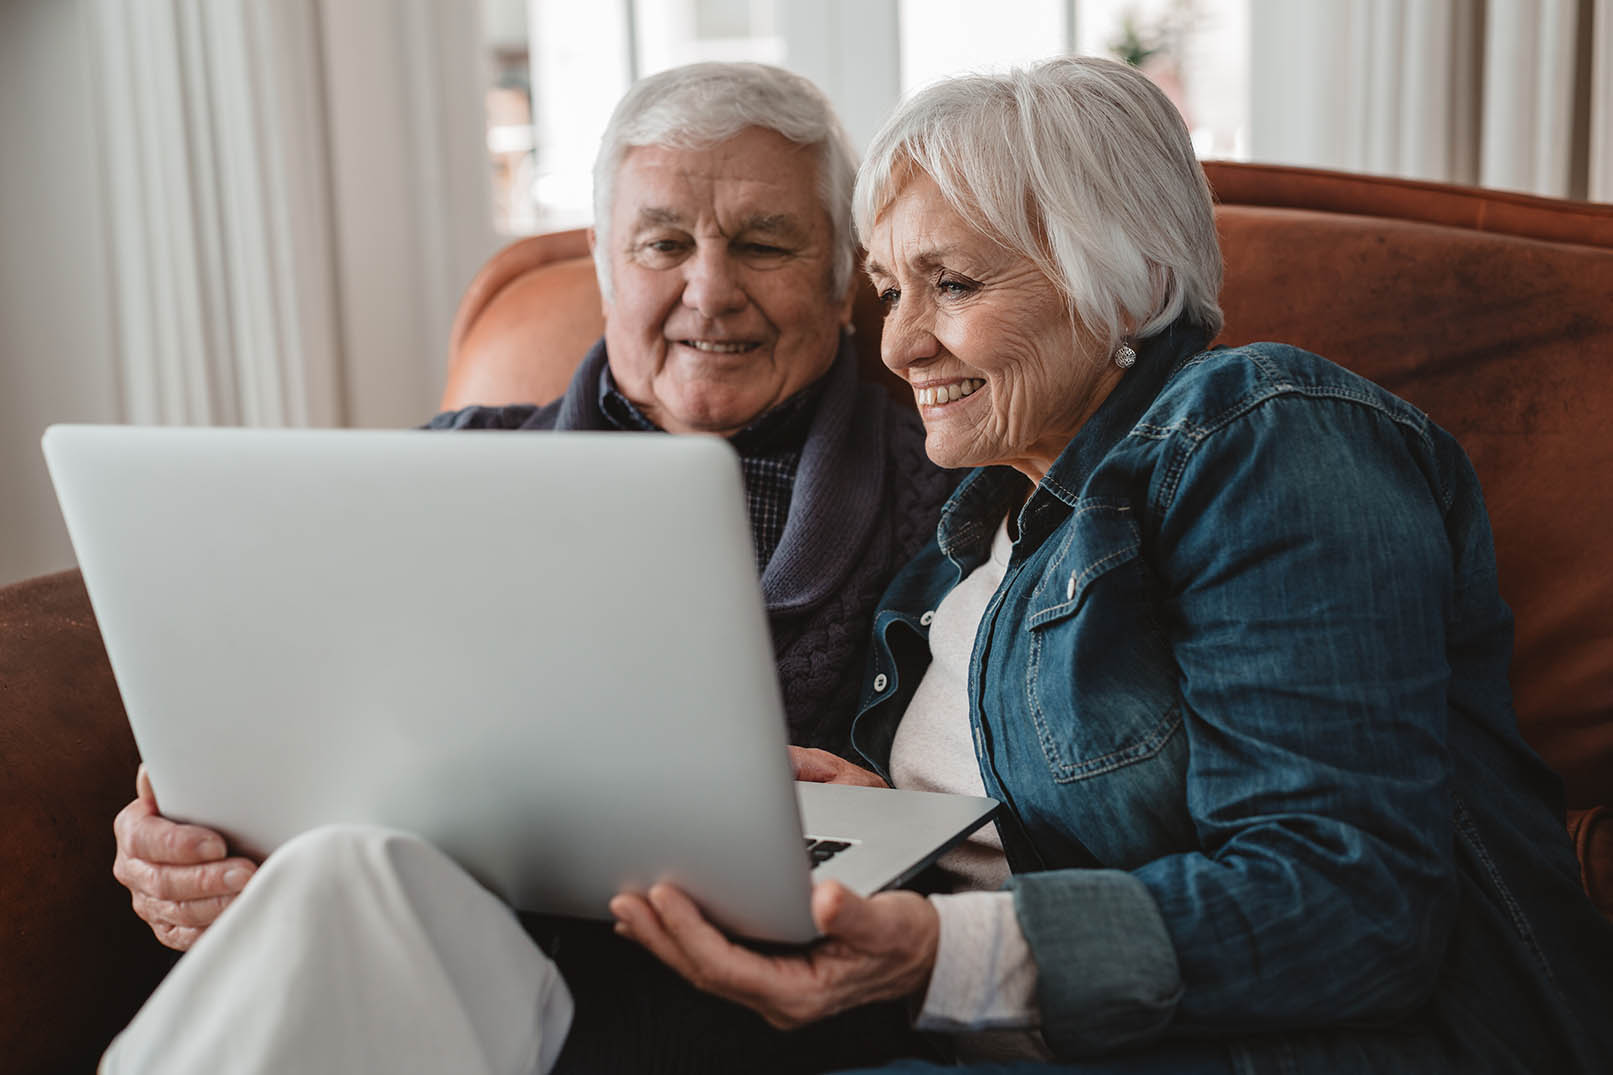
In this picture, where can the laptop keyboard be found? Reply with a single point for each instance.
(821, 851)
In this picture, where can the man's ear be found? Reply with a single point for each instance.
(848, 302)
(593, 244)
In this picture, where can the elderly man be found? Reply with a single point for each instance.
(725, 254)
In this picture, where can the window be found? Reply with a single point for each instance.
(558, 67)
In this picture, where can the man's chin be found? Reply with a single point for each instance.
(723, 417)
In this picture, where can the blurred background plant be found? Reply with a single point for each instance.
(1156, 46)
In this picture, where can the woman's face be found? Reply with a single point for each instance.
(1000, 373)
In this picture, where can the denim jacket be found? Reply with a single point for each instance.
(1243, 692)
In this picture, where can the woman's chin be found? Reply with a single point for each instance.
(945, 451)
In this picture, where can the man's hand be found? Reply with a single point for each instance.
(178, 874)
(874, 949)
(822, 767)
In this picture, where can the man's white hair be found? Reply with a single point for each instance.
(702, 104)
(1080, 164)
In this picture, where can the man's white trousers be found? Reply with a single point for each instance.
(355, 949)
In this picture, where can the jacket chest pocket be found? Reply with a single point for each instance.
(1100, 681)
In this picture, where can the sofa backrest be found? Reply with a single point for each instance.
(1492, 312)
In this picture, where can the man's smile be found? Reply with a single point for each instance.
(722, 347)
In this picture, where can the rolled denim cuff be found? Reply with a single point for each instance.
(1107, 974)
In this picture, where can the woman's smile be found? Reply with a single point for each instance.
(939, 393)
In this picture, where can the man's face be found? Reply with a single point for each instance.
(720, 263)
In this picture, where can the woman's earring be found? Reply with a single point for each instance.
(1125, 357)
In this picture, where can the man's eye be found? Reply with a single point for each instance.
(888, 297)
(954, 286)
(763, 249)
(664, 246)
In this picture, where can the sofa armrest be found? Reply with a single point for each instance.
(75, 963)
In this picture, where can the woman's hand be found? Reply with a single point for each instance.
(822, 767)
(874, 949)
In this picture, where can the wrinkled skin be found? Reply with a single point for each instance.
(180, 877)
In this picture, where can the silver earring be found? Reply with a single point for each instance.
(1125, 357)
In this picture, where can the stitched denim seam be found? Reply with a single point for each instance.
(1063, 549)
(1068, 772)
(1157, 432)
(1176, 466)
(966, 532)
(1063, 493)
(1055, 564)
(1157, 739)
(1197, 434)
(1350, 395)
(1470, 834)
(1091, 571)
(1447, 489)
(966, 535)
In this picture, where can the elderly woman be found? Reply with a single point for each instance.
(1219, 628)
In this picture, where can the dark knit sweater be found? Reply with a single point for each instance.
(865, 499)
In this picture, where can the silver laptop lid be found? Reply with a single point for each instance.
(403, 628)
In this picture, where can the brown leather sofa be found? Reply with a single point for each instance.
(1492, 312)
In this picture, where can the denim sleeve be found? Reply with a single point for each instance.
(1306, 580)
(1106, 968)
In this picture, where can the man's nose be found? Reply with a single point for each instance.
(712, 286)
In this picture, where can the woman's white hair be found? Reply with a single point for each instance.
(1080, 164)
(702, 104)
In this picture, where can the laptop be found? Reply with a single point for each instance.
(547, 654)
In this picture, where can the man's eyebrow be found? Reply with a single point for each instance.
(654, 216)
(784, 224)
(772, 224)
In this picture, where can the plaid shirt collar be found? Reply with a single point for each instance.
(782, 429)
(769, 450)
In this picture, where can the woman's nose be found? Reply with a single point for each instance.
(906, 338)
(712, 285)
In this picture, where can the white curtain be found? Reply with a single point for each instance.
(297, 195)
(215, 177)
(1601, 90)
(1514, 94)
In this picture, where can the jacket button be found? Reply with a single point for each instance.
(1069, 591)
(880, 681)
(926, 619)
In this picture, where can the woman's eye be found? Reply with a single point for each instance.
(888, 297)
(954, 286)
